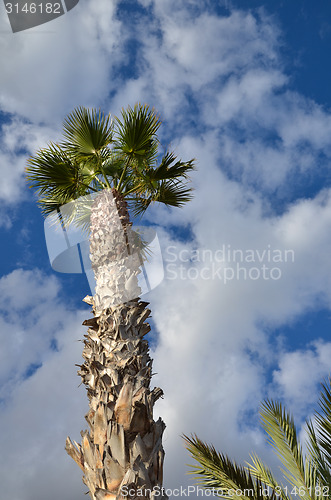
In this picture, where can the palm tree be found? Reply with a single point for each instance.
(115, 163)
(306, 476)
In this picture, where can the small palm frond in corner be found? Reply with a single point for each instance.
(306, 476)
(226, 478)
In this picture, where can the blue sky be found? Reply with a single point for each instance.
(243, 87)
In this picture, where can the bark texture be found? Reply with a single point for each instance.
(122, 450)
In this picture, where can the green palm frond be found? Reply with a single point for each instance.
(56, 178)
(324, 422)
(172, 194)
(261, 472)
(280, 427)
(113, 167)
(136, 133)
(149, 182)
(51, 168)
(216, 471)
(87, 132)
(316, 455)
(171, 169)
(319, 443)
(166, 192)
(139, 206)
(53, 203)
(309, 476)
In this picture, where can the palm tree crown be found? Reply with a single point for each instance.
(121, 154)
(308, 476)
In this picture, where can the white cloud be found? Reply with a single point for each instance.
(12, 185)
(48, 70)
(225, 73)
(214, 355)
(247, 93)
(301, 371)
(37, 413)
(5, 221)
(215, 39)
(198, 53)
(18, 140)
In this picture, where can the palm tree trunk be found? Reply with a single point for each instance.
(122, 450)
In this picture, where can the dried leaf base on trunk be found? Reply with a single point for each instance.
(123, 447)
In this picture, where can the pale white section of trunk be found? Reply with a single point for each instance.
(114, 253)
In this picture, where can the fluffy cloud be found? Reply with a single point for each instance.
(40, 403)
(224, 73)
(54, 67)
(187, 57)
(18, 140)
(301, 371)
(216, 348)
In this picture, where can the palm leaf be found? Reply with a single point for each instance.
(316, 455)
(172, 194)
(280, 427)
(324, 422)
(170, 170)
(52, 203)
(261, 472)
(56, 178)
(309, 475)
(217, 471)
(167, 193)
(51, 168)
(87, 132)
(319, 443)
(113, 166)
(136, 133)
